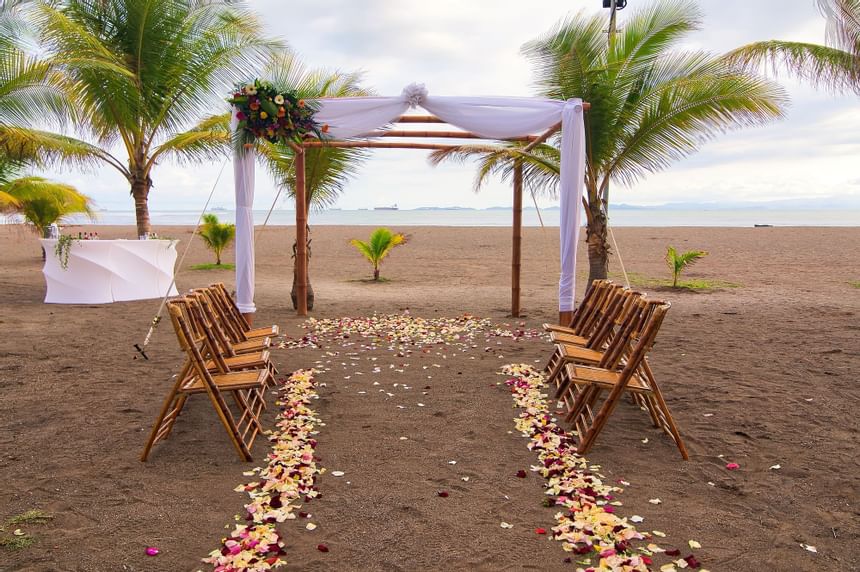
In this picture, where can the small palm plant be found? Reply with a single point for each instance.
(382, 241)
(678, 261)
(216, 235)
(42, 202)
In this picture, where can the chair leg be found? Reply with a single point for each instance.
(166, 409)
(600, 420)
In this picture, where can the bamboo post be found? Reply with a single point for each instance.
(301, 236)
(516, 255)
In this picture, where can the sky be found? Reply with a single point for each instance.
(458, 47)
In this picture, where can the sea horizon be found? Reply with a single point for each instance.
(622, 216)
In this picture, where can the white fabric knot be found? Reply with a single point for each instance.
(415, 94)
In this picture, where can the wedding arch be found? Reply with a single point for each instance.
(364, 121)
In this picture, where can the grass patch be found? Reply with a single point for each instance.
(689, 284)
(18, 539)
(17, 542)
(370, 280)
(30, 517)
(855, 283)
(211, 266)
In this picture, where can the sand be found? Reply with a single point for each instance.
(761, 374)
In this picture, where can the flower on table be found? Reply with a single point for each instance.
(251, 89)
(279, 99)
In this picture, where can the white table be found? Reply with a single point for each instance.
(104, 271)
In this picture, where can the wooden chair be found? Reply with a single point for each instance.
(222, 328)
(632, 375)
(585, 311)
(232, 313)
(615, 309)
(220, 355)
(246, 387)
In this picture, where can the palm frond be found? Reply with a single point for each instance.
(821, 66)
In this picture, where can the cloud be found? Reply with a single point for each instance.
(461, 47)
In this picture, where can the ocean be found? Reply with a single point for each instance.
(502, 217)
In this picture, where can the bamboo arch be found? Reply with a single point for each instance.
(372, 142)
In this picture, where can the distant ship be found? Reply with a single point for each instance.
(391, 208)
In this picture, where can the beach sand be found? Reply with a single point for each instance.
(761, 374)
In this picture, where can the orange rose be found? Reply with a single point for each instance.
(325, 128)
(281, 112)
(301, 103)
(255, 106)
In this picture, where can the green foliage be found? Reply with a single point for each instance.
(679, 261)
(211, 266)
(855, 283)
(327, 169)
(216, 235)
(63, 248)
(141, 73)
(834, 66)
(651, 103)
(33, 516)
(641, 281)
(18, 539)
(42, 202)
(381, 242)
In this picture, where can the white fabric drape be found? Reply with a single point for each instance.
(489, 117)
(243, 178)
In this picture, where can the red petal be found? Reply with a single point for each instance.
(673, 552)
(733, 466)
(540, 530)
(322, 547)
(521, 474)
(443, 494)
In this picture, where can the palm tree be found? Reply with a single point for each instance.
(835, 66)
(381, 242)
(327, 169)
(651, 104)
(42, 202)
(140, 72)
(216, 235)
(677, 262)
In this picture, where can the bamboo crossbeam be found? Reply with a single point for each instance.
(418, 119)
(376, 144)
(547, 134)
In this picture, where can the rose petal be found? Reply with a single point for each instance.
(152, 551)
(732, 466)
(322, 547)
(540, 531)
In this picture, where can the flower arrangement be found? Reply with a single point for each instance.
(267, 113)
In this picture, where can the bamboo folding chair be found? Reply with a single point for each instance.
(219, 351)
(635, 376)
(246, 387)
(232, 313)
(613, 311)
(584, 312)
(223, 328)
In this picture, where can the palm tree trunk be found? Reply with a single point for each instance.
(376, 274)
(598, 247)
(140, 185)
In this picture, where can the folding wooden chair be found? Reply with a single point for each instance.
(220, 355)
(635, 376)
(232, 314)
(246, 387)
(584, 312)
(615, 308)
(223, 328)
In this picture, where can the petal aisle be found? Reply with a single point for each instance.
(287, 478)
(588, 527)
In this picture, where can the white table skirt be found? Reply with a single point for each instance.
(104, 271)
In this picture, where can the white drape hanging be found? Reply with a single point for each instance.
(243, 178)
(489, 117)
